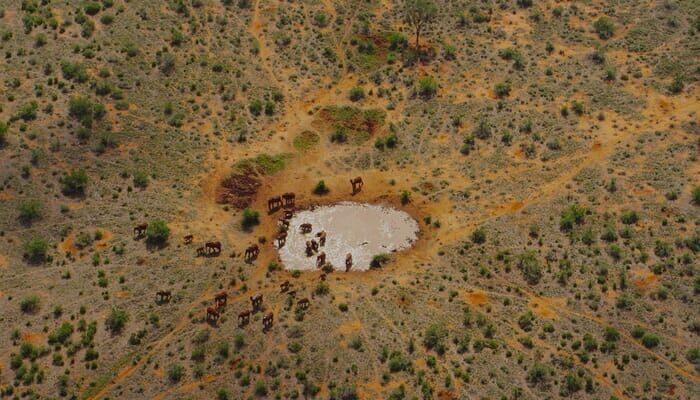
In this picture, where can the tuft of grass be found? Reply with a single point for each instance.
(306, 140)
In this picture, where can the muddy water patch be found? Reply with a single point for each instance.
(363, 230)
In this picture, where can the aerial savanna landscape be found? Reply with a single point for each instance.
(350, 199)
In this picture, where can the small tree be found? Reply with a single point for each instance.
(696, 196)
(30, 305)
(29, 210)
(605, 27)
(140, 179)
(116, 320)
(175, 373)
(75, 182)
(419, 14)
(157, 232)
(479, 236)
(427, 86)
(357, 93)
(3, 133)
(250, 218)
(321, 188)
(36, 250)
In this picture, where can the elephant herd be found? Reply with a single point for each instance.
(286, 200)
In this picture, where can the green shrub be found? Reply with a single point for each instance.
(85, 110)
(405, 197)
(175, 372)
(605, 27)
(74, 183)
(357, 93)
(502, 89)
(29, 210)
(30, 304)
(539, 373)
(140, 179)
(74, 71)
(260, 388)
(107, 19)
(61, 334)
(250, 218)
(92, 8)
(483, 129)
(479, 236)
(321, 188)
(574, 214)
(434, 337)
(695, 195)
(629, 217)
(28, 111)
(157, 232)
(677, 84)
(530, 266)
(294, 347)
(427, 86)
(116, 320)
(3, 133)
(256, 107)
(36, 250)
(379, 260)
(649, 340)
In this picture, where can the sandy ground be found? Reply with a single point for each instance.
(364, 230)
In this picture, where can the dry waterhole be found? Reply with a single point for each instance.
(362, 230)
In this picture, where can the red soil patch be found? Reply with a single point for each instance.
(476, 298)
(445, 395)
(238, 190)
(350, 327)
(102, 243)
(541, 308)
(68, 245)
(34, 338)
(643, 278)
(122, 294)
(3, 262)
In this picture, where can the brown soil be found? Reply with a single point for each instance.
(476, 298)
(643, 279)
(238, 190)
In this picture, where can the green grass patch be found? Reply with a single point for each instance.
(358, 124)
(306, 140)
(263, 164)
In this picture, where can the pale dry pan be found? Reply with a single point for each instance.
(364, 230)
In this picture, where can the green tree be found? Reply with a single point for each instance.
(3, 133)
(116, 320)
(29, 210)
(36, 249)
(74, 183)
(250, 218)
(157, 232)
(434, 337)
(419, 14)
(696, 195)
(573, 214)
(427, 86)
(30, 304)
(605, 27)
